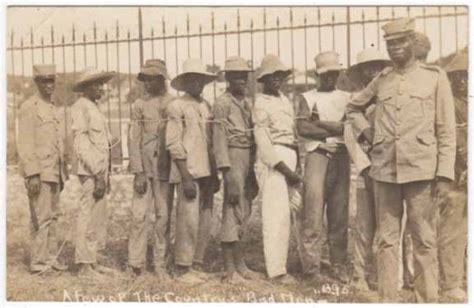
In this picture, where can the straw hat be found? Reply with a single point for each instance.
(91, 75)
(327, 61)
(236, 64)
(192, 66)
(44, 71)
(458, 63)
(153, 67)
(398, 28)
(272, 64)
(369, 55)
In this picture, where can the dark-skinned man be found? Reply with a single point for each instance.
(452, 228)
(277, 160)
(41, 152)
(327, 170)
(413, 150)
(150, 210)
(188, 139)
(91, 140)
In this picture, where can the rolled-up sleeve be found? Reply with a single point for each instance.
(265, 151)
(174, 132)
(26, 141)
(355, 110)
(445, 127)
(135, 138)
(220, 112)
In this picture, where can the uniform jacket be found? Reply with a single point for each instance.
(414, 124)
(91, 139)
(40, 144)
(146, 143)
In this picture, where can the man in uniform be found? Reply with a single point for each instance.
(234, 150)
(327, 170)
(452, 229)
(189, 141)
(370, 62)
(41, 153)
(413, 151)
(91, 164)
(149, 163)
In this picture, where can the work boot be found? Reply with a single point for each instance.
(360, 284)
(190, 278)
(339, 272)
(285, 279)
(457, 295)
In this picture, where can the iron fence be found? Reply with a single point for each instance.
(295, 34)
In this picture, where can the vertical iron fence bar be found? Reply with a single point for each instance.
(200, 41)
(225, 40)
(377, 12)
(252, 58)
(117, 34)
(140, 35)
(440, 32)
(176, 50)
(408, 11)
(129, 70)
(42, 50)
(52, 45)
(85, 49)
(278, 34)
(292, 56)
(363, 29)
(107, 85)
(264, 31)
(424, 19)
(32, 41)
(213, 49)
(305, 22)
(188, 37)
(22, 54)
(95, 47)
(238, 32)
(163, 28)
(12, 51)
(319, 30)
(333, 21)
(74, 51)
(152, 43)
(65, 103)
(393, 13)
(456, 27)
(348, 21)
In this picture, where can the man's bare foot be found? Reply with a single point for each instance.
(247, 273)
(190, 278)
(233, 277)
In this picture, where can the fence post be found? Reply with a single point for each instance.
(348, 16)
(140, 35)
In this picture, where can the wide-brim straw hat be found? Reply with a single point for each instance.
(460, 62)
(195, 67)
(152, 71)
(365, 57)
(272, 64)
(89, 76)
(236, 64)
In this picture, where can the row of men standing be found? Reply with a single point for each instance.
(171, 144)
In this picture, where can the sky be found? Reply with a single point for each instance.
(22, 20)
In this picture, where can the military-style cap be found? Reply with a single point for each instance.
(327, 61)
(236, 64)
(398, 28)
(44, 71)
(153, 67)
(272, 64)
(458, 63)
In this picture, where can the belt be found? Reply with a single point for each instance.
(294, 147)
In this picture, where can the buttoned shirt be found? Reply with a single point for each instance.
(187, 134)
(414, 124)
(274, 119)
(232, 127)
(147, 146)
(40, 144)
(91, 139)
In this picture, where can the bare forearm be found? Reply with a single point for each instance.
(312, 131)
(333, 127)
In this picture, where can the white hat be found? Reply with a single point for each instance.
(236, 64)
(91, 75)
(192, 66)
(369, 55)
(327, 61)
(272, 64)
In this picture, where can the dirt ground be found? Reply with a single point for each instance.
(22, 286)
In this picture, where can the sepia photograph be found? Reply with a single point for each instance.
(237, 154)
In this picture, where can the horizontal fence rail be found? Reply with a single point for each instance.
(296, 34)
